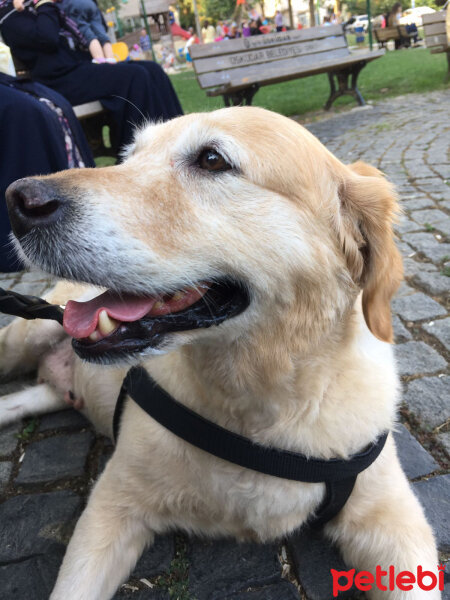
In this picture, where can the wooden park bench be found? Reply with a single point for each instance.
(386, 34)
(236, 69)
(435, 34)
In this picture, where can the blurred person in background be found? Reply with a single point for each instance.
(56, 56)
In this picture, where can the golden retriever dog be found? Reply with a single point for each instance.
(250, 272)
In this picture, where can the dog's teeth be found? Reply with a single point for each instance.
(105, 323)
(95, 336)
(178, 295)
(158, 305)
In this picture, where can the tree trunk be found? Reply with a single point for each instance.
(291, 17)
(312, 16)
(197, 21)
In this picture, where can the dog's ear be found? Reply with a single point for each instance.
(368, 209)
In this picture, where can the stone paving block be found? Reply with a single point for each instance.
(36, 524)
(280, 591)
(428, 245)
(404, 248)
(433, 283)
(416, 203)
(441, 330)
(444, 439)
(434, 496)
(419, 171)
(31, 579)
(63, 419)
(5, 320)
(6, 283)
(415, 460)
(155, 559)
(103, 459)
(35, 277)
(429, 399)
(405, 290)
(432, 216)
(5, 472)
(406, 225)
(32, 288)
(55, 457)
(8, 438)
(412, 267)
(313, 557)
(417, 307)
(443, 169)
(224, 567)
(401, 334)
(13, 275)
(418, 357)
(433, 186)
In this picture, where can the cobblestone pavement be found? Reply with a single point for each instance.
(48, 465)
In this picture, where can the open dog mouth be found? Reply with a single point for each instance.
(113, 325)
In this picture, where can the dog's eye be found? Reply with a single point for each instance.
(210, 160)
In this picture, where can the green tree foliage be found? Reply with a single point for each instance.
(219, 10)
(105, 4)
(381, 7)
(186, 13)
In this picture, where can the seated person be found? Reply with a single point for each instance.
(56, 55)
(89, 19)
(40, 135)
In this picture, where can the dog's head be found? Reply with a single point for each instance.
(237, 219)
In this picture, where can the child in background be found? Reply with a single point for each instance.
(88, 17)
(145, 44)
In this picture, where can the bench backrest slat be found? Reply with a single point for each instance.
(386, 33)
(263, 41)
(277, 70)
(267, 55)
(434, 29)
(435, 17)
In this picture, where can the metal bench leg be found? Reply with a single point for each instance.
(241, 97)
(345, 89)
(333, 93)
(356, 69)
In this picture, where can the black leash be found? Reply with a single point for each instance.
(29, 307)
(338, 475)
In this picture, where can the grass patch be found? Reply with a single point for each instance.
(396, 73)
(428, 227)
(176, 581)
(105, 161)
(28, 430)
(446, 271)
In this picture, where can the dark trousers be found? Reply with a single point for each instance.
(132, 92)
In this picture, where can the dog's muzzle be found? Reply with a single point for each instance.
(33, 203)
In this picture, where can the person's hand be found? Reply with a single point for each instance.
(18, 5)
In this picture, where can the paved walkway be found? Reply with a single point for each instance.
(48, 466)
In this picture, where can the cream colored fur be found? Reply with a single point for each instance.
(299, 369)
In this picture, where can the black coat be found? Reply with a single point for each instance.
(32, 143)
(131, 91)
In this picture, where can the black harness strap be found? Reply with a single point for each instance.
(338, 475)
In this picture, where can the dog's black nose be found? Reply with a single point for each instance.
(32, 203)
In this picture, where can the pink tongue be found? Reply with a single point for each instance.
(81, 318)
